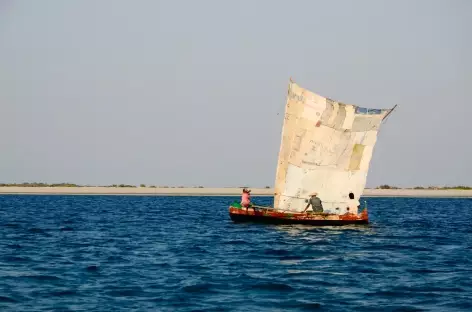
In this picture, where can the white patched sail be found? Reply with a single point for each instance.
(326, 147)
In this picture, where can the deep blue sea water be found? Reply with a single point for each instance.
(145, 253)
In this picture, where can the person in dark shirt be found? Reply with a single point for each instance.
(353, 204)
(315, 203)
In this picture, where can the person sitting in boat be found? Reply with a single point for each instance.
(315, 203)
(246, 198)
(353, 204)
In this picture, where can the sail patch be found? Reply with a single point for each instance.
(365, 123)
(356, 157)
(329, 111)
(313, 107)
(350, 115)
(368, 111)
(340, 117)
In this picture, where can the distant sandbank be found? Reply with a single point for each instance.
(214, 191)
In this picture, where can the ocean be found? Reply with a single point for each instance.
(152, 253)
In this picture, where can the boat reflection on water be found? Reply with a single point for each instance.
(307, 231)
(317, 251)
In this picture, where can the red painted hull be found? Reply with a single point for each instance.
(261, 215)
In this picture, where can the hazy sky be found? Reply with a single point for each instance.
(189, 92)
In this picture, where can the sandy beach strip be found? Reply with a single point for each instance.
(190, 191)
(97, 190)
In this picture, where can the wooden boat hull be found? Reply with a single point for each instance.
(270, 216)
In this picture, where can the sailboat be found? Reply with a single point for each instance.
(326, 147)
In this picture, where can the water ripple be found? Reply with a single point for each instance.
(113, 253)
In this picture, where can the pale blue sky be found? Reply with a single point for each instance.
(188, 92)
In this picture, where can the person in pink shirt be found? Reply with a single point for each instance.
(246, 198)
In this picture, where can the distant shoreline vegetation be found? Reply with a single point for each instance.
(381, 187)
(40, 184)
(390, 187)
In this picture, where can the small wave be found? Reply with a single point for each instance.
(291, 258)
(424, 271)
(66, 228)
(197, 249)
(92, 268)
(367, 270)
(309, 281)
(163, 264)
(16, 259)
(115, 258)
(12, 225)
(272, 286)
(35, 230)
(43, 278)
(276, 252)
(316, 271)
(402, 308)
(7, 299)
(125, 292)
(432, 289)
(301, 305)
(419, 290)
(397, 247)
(63, 293)
(198, 288)
(309, 306)
(38, 231)
(235, 242)
(388, 293)
(465, 305)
